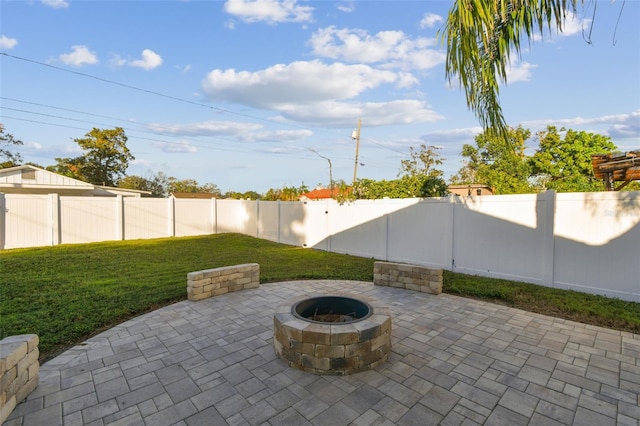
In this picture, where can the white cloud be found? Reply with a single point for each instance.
(343, 114)
(617, 126)
(626, 127)
(298, 82)
(429, 20)
(56, 4)
(572, 25)
(519, 71)
(205, 128)
(182, 147)
(117, 60)
(314, 92)
(346, 7)
(149, 61)
(392, 49)
(276, 136)
(7, 43)
(80, 55)
(452, 135)
(269, 11)
(141, 162)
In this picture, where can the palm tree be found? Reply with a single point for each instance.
(480, 35)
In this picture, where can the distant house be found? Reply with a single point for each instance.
(470, 189)
(320, 194)
(34, 180)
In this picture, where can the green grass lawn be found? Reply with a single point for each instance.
(70, 292)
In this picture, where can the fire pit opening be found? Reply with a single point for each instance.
(331, 309)
(332, 334)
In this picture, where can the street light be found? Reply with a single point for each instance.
(330, 171)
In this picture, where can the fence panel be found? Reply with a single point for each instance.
(501, 236)
(421, 234)
(360, 228)
(147, 218)
(237, 216)
(315, 224)
(269, 220)
(292, 223)
(88, 219)
(597, 246)
(194, 217)
(27, 221)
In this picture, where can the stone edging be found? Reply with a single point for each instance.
(409, 277)
(19, 368)
(214, 282)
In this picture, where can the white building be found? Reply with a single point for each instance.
(34, 180)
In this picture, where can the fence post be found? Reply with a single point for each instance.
(279, 218)
(329, 210)
(172, 216)
(3, 219)
(54, 216)
(450, 231)
(214, 215)
(257, 218)
(119, 217)
(548, 250)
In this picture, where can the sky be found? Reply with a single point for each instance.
(257, 94)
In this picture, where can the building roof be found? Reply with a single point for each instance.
(199, 195)
(29, 179)
(320, 194)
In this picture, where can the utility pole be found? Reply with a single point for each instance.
(356, 135)
(330, 171)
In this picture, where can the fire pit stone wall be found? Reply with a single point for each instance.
(332, 348)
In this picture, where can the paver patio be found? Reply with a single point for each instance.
(454, 361)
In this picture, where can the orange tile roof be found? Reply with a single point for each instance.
(321, 194)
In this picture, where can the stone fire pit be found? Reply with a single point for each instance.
(332, 334)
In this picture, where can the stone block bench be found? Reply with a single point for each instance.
(19, 369)
(410, 277)
(217, 281)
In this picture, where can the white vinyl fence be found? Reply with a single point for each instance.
(582, 241)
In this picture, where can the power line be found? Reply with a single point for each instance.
(151, 92)
(137, 137)
(178, 99)
(100, 124)
(109, 124)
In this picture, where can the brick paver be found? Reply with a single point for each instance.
(454, 361)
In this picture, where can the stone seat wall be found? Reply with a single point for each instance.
(217, 281)
(409, 277)
(19, 368)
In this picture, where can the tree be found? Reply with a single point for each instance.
(422, 163)
(7, 141)
(191, 185)
(434, 187)
(143, 184)
(564, 164)
(249, 195)
(480, 35)
(499, 163)
(420, 175)
(105, 160)
(286, 193)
